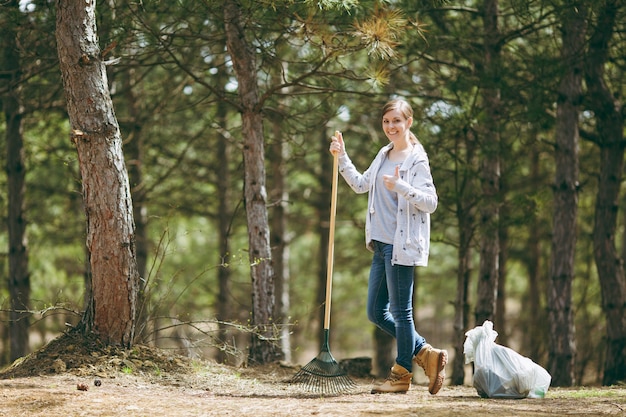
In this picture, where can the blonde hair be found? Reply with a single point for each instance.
(404, 108)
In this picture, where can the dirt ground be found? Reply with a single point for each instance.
(76, 377)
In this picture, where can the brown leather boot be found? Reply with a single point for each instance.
(433, 362)
(398, 381)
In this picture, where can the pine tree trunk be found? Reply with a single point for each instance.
(280, 237)
(461, 307)
(465, 217)
(111, 311)
(264, 348)
(278, 157)
(562, 348)
(534, 318)
(609, 114)
(19, 276)
(224, 216)
(385, 346)
(500, 316)
(490, 174)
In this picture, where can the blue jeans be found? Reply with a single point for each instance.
(390, 303)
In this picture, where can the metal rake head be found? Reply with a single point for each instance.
(323, 375)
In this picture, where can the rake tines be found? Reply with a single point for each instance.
(323, 375)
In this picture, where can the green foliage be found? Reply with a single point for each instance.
(346, 5)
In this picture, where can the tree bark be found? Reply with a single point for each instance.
(536, 318)
(562, 347)
(224, 215)
(280, 237)
(490, 174)
(19, 275)
(465, 217)
(384, 352)
(609, 112)
(264, 348)
(503, 241)
(461, 308)
(111, 311)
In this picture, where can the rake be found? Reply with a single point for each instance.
(323, 374)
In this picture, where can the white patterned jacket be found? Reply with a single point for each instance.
(417, 198)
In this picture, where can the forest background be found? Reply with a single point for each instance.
(518, 104)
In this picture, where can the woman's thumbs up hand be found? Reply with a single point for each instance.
(391, 180)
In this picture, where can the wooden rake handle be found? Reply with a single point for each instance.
(331, 241)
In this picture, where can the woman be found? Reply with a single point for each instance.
(397, 230)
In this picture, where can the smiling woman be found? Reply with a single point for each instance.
(401, 198)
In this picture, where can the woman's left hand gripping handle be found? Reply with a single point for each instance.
(337, 146)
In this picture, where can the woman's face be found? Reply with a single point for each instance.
(396, 126)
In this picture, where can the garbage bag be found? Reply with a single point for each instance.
(500, 372)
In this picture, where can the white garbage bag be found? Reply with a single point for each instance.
(500, 372)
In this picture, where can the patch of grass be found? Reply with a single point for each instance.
(587, 392)
(197, 366)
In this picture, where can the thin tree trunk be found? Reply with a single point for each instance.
(223, 302)
(461, 308)
(224, 221)
(500, 316)
(536, 315)
(562, 349)
(280, 238)
(623, 229)
(263, 348)
(278, 156)
(19, 276)
(490, 175)
(465, 217)
(610, 128)
(106, 190)
(384, 352)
